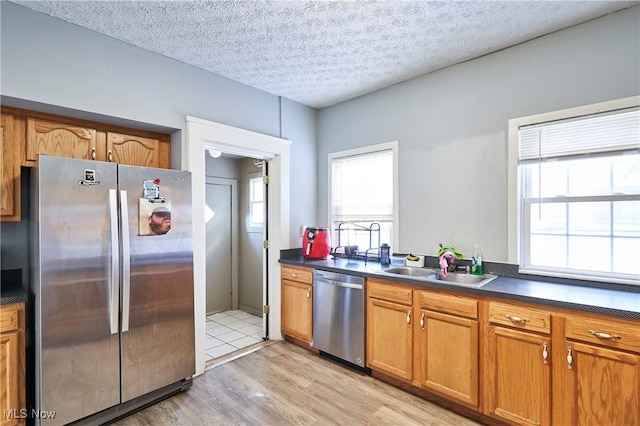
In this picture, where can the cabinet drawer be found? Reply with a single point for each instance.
(8, 318)
(450, 304)
(604, 331)
(521, 317)
(295, 274)
(389, 292)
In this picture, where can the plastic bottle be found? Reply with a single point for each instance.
(384, 253)
(476, 263)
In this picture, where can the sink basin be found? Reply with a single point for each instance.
(466, 279)
(412, 271)
(429, 274)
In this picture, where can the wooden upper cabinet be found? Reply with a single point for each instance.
(10, 173)
(66, 137)
(137, 150)
(60, 139)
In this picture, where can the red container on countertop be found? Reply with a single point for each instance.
(316, 243)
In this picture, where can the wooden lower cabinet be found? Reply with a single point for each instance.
(12, 364)
(446, 336)
(389, 329)
(297, 303)
(518, 388)
(517, 383)
(602, 368)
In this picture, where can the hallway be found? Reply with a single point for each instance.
(229, 331)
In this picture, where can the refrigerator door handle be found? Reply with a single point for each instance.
(126, 261)
(115, 262)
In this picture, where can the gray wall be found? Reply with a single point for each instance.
(452, 127)
(50, 65)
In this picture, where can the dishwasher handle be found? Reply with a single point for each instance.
(339, 283)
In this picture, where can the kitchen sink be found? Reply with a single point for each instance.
(411, 271)
(428, 274)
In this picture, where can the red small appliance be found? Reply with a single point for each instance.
(316, 243)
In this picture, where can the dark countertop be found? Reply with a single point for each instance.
(13, 294)
(600, 300)
(11, 289)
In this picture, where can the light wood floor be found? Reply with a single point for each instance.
(284, 384)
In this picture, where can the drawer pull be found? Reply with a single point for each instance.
(570, 358)
(422, 321)
(517, 319)
(605, 336)
(409, 317)
(545, 353)
(295, 275)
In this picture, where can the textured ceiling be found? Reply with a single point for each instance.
(320, 53)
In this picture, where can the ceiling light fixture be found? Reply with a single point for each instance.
(214, 153)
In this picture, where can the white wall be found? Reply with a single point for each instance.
(452, 127)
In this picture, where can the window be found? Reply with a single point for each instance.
(579, 195)
(363, 191)
(256, 202)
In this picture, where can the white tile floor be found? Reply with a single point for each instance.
(230, 331)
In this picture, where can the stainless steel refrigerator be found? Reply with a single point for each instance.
(114, 324)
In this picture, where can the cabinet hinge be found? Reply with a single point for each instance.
(265, 244)
(266, 180)
(265, 309)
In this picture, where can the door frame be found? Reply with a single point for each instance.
(204, 134)
(233, 183)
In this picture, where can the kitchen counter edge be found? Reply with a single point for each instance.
(614, 303)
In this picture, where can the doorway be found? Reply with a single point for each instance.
(235, 279)
(204, 134)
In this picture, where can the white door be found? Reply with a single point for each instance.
(219, 247)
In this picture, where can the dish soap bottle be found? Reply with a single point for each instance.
(476, 263)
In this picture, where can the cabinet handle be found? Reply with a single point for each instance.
(309, 294)
(93, 153)
(295, 275)
(422, 321)
(570, 358)
(545, 353)
(517, 319)
(110, 157)
(605, 336)
(409, 317)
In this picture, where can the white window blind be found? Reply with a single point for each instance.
(362, 187)
(594, 134)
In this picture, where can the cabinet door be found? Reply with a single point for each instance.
(10, 172)
(136, 151)
(448, 348)
(606, 385)
(389, 338)
(9, 396)
(297, 310)
(519, 385)
(60, 139)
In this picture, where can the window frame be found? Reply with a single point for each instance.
(252, 226)
(516, 225)
(370, 149)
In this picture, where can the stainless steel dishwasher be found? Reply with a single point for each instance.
(338, 316)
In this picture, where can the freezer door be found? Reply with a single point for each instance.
(157, 294)
(77, 341)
